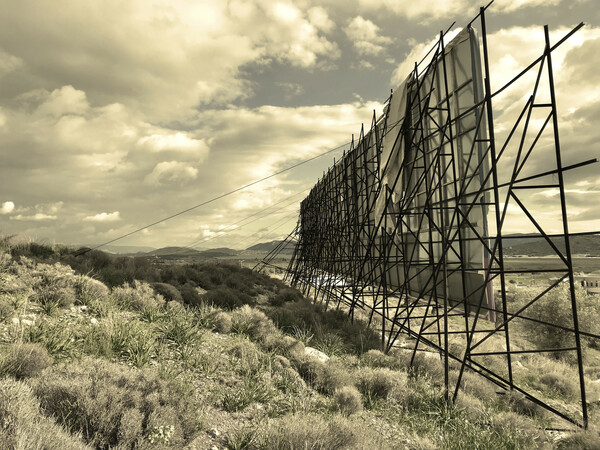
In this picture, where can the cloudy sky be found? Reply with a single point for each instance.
(115, 114)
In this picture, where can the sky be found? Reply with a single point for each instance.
(116, 114)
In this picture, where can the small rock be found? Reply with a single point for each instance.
(83, 308)
(316, 353)
(214, 447)
(94, 321)
(214, 432)
(15, 320)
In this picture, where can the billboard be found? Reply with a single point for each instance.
(397, 210)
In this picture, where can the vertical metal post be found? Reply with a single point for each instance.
(563, 205)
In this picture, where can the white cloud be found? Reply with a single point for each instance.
(65, 100)
(318, 17)
(174, 141)
(366, 37)
(104, 217)
(8, 62)
(7, 207)
(417, 52)
(35, 217)
(171, 172)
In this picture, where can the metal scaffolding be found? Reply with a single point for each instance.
(399, 227)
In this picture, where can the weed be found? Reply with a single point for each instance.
(23, 424)
(179, 330)
(251, 322)
(112, 404)
(348, 400)
(25, 360)
(375, 384)
(251, 391)
(582, 440)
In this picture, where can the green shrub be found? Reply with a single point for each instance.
(521, 404)
(222, 322)
(23, 426)
(325, 377)
(111, 404)
(522, 428)
(251, 322)
(138, 297)
(56, 336)
(25, 360)
(168, 292)
(250, 391)
(6, 311)
(378, 383)
(582, 440)
(179, 329)
(315, 433)
(227, 298)
(376, 358)
(89, 290)
(348, 400)
(285, 295)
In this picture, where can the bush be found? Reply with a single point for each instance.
(90, 290)
(111, 404)
(523, 405)
(25, 360)
(315, 433)
(24, 426)
(222, 322)
(583, 440)
(138, 297)
(524, 428)
(376, 358)
(285, 295)
(378, 383)
(325, 377)
(251, 322)
(6, 311)
(168, 292)
(348, 400)
(227, 298)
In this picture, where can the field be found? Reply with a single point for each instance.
(98, 351)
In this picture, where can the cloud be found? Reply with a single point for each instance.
(366, 37)
(7, 207)
(427, 10)
(171, 172)
(104, 217)
(35, 217)
(416, 54)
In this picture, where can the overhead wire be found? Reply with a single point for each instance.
(226, 194)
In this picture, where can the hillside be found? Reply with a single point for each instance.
(209, 355)
(580, 245)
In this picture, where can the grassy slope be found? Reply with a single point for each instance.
(225, 375)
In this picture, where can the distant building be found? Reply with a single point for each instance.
(590, 282)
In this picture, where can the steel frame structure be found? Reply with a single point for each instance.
(344, 254)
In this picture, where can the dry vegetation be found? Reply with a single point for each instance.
(104, 352)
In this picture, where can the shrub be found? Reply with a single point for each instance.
(508, 422)
(25, 360)
(251, 322)
(476, 385)
(179, 330)
(331, 377)
(222, 322)
(250, 391)
(325, 377)
(523, 405)
(111, 404)
(6, 311)
(376, 358)
(348, 400)
(90, 290)
(315, 433)
(285, 295)
(378, 383)
(227, 298)
(286, 345)
(583, 440)
(168, 291)
(138, 297)
(23, 424)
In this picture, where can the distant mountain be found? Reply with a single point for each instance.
(580, 245)
(120, 249)
(269, 246)
(173, 251)
(185, 252)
